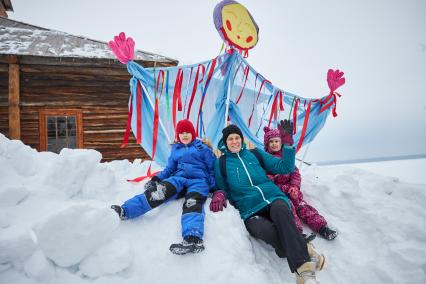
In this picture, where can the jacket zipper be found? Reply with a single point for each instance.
(251, 182)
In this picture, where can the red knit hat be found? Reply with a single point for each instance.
(185, 126)
(269, 133)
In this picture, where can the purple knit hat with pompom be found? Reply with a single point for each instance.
(269, 133)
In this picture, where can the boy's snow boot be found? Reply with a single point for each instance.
(305, 274)
(120, 211)
(316, 258)
(328, 233)
(190, 244)
(309, 238)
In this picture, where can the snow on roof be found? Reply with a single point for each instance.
(18, 38)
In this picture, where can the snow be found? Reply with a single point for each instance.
(405, 170)
(74, 233)
(56, 226)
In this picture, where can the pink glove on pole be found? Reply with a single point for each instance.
(335, 79)
(218, 201)
(123, 48)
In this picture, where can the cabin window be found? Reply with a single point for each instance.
(60, 129)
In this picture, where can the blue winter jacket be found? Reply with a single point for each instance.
(192, 161)
(247, 186)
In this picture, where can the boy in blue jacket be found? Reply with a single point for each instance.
(190, 173)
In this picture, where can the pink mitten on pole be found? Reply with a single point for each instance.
(123, 48)
(335, 79)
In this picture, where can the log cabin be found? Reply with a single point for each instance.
(63, 91)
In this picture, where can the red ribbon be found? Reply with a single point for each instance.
(154, 145)
(305, 126)
(246, 71)
(139, 114)
(329, 101)
(274, 108)
(238, 69)
(209, 76)
(194, 89)
(296, 106)
(155, 134)
(176, 95)
(257, 98)
(148, 175)
(281, 101)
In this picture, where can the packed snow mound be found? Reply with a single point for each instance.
(56, 226)
(70, 235)
(16, 245)
(112, 258)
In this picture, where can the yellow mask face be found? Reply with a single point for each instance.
(238, 26)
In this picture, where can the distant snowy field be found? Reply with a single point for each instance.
(413, 171)
(56, 226)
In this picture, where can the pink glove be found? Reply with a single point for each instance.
(335, 79)
(218, 201)
(293, 192)
(123, 48)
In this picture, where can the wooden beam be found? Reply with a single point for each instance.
(2, 10)
(14, 94)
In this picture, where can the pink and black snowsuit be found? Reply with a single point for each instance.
(302, 211)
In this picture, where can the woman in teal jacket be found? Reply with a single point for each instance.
(264, 208)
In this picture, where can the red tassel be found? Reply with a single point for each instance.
(296, 106)
(281, 101)
(176, 96)
(273, 109)
(148, 175)
(209, 76)
(246, 71)
(257, 98)
(155, 134)
(194, 89)
(305, 126)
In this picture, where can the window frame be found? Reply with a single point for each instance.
(44, 113)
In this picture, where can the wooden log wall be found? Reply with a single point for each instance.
(101, 93)
(4, 99)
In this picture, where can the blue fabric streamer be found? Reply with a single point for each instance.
(227, 80)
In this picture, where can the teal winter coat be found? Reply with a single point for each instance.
(247, 187)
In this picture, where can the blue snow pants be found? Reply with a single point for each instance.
(195, 192)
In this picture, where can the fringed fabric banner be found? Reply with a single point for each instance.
(205, 88)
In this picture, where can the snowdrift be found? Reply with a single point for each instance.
(56, 227)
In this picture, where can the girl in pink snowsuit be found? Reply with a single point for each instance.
(290, 185)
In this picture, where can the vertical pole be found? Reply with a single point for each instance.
(228, 93)
(14, 94)
(304, 155)
(228, 97)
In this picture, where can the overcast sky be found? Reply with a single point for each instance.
(380, 45)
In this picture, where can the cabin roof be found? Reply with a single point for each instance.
(18, 38)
